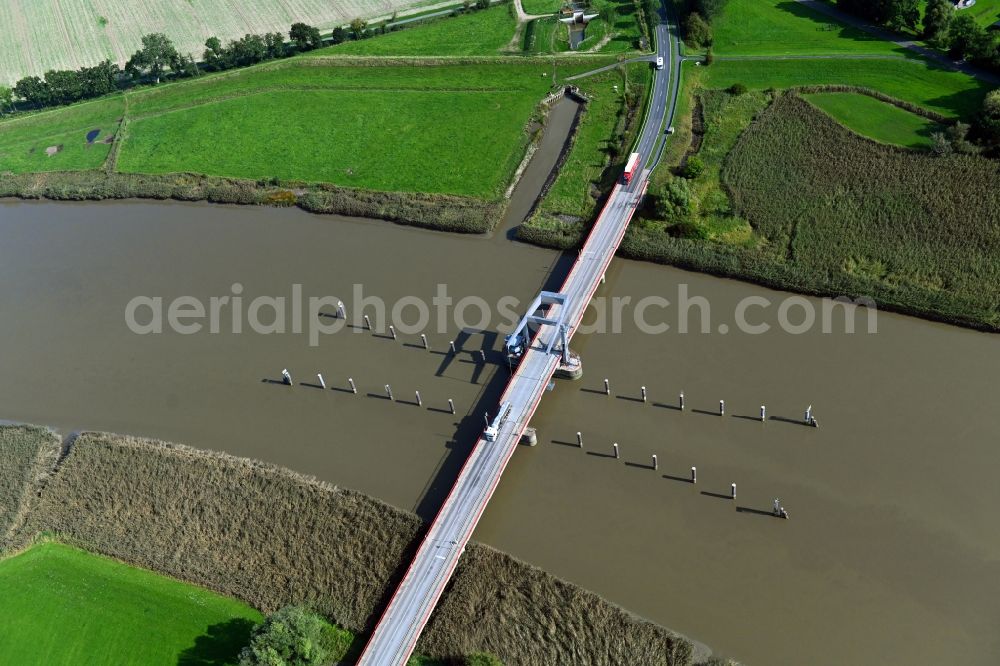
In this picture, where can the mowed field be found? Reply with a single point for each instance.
(65, 606)
(455, 129)
(65, 34)
(23, 141)
(786, 27)
(876, 119)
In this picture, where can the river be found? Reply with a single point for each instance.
(890, 553)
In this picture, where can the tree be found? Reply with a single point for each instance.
(957, 135)
(247, 50)
(963, 34)
(902, 15)
(988, 120)
(306, 37)
(482, 4)
(275, 43)
(34, 91)
(292, 636)
(338, 35)
(156, 55)
(674, 203)
(937, 18)
(214, 55)
(482, 659)
(694, 168)
(709, 8)
(697, 31)
(359, 28)
(6, 99)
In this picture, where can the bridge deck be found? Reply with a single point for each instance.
(399, 628)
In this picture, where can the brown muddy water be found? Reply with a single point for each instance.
(891, 552)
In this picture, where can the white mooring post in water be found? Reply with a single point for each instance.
(680, 402)
(694, 475)
(388, 392)
(368, 323)
(656, 464)
(340, 310)
(286, 377)
(482, 355)
(451, 346)
(809, 415)
(617, 455)
(420, 403)
(322, 383)
(451, 405)
(722, 408)
(579, 439)
(354, 389)
(777, 507)
(732, 491)
(423, 338)
(643, 390)
(392, 331)
(607, 387)
(763, 413)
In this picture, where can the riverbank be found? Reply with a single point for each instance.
(271, 537)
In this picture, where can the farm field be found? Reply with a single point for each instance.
(481, 32)
(876, 119)
(24, 140)
(786, 27)
(66, 34)
(948, 92)
(66, 606)
(456, 129)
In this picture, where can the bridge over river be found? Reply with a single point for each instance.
(417, 594)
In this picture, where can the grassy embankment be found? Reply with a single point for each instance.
(479, 32)
(62, 605)
(607, 127)
(270, 537)
(361, 137)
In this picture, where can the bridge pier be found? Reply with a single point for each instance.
(571, 369)
(529, 436)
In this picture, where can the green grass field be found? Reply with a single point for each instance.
(61, 605)
(950, 93)
(23, 140)
(481, 32)
(542, 6)
(876, 119)
(455, 129)
(786, 27)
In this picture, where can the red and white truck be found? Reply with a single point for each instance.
(631, 167)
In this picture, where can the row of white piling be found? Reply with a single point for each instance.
(392, 332)
(778, 511)
(286, 378)
(808, 420)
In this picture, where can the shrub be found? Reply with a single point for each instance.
(483, 659)
(737, 89)
(697, 31)
(694, 168)
(292, 636)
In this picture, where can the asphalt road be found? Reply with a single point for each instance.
(396, 635)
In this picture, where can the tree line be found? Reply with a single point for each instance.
(158, 59)
(942, 26)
